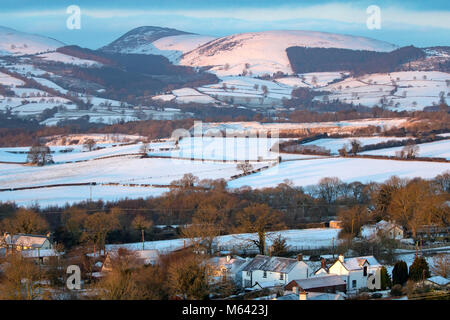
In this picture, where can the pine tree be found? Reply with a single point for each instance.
(400, 273)
(385, 279)
(419, 269)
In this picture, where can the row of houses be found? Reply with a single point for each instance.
(347, 275)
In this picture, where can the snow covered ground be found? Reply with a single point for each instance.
(252, 127)
(13, 42)
(7, 80)
(174, 47)
(121, 164)
(296, 238)
(59, 196)
(127, 169)
(309, 172)
(218, 148)
(436, 149)
(407, 90)
(334, 144)
(67, 59)
(265, 52)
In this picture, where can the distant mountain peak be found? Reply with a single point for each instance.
(140, 36)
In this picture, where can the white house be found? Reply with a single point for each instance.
(273, 271)
(228, 267)
(357, 272)
(389, 229)
(20, 242)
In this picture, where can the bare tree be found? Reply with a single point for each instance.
(245, 167)
(89, 144)
(355, 146)
(190, 278)
(39, 155)
(97, 227)
(259, 219)
(142, 224)
(21, 279)
(25, 221)
(207, 223)
(441, 265)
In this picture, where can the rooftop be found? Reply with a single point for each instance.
(318, 282)
(273, 264)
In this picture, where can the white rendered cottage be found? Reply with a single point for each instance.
(228, 268)
(21, 242)
(273, 271)
(357, 272)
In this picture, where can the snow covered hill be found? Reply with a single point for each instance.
(265, 52)
(13, 42)
(167, 42)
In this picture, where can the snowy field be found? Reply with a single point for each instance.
(297, 238)
(64, 58)
(309, 172)
(335, 144)
(217, 148)
(59, 196)
(408, 90)
(437, 149)
(121, 164)
(124, 170)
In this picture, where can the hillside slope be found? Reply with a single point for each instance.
(167, 42)
(13, 42)
(265, 52)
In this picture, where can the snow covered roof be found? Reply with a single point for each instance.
(231, 264)
(439, 280)
(358, 262)
(313, 296)
(28, 240)
(273, 264)
(318, 282)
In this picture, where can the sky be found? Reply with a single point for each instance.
(412, 22)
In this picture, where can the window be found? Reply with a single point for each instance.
(353, 283)
(281, 276)
(265, 274)
(365, 271)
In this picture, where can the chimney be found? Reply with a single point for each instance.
(341, 258)
(322, 263)
(300, 257)
(295, 289)
(303, 295)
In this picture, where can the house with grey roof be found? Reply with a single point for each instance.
(326, 283)
(303, 295)
(358, 272)
(21, 242)
(265, 271)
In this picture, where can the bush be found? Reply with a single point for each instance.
(376, 296)
(397, 291)
(400, 273)
(419, 269)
